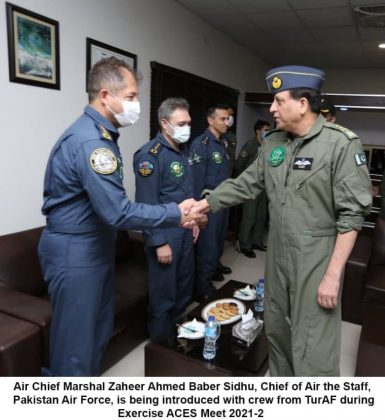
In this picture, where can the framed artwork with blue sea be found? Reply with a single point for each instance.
(33, 48)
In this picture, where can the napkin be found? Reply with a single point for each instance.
(246, 292)
(195, 325)
(247, 317)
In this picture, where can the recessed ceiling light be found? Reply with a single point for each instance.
(381, 45)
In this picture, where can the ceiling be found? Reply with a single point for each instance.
(319, 33)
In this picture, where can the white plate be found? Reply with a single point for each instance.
(238, 294)
(241, 310)
(198, 326)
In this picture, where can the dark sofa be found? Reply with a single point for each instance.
(25, 310)
(371, 349)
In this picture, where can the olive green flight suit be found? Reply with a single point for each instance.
(230, 145)
(315, 189)
(254, 212)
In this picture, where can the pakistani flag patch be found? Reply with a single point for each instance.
(360, 159)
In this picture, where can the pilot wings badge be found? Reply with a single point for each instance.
(303, 163)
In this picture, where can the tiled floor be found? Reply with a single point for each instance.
(247, 270)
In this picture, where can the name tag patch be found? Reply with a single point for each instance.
(303, 163)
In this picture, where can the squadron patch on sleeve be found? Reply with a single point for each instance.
(360, 159)
(103, 161)
(145, 168)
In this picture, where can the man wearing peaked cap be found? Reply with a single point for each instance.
(318, 188)
(292, 77)
(328, 110)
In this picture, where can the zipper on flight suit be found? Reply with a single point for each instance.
(300, 185)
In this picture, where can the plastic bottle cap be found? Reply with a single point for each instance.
(211, 318)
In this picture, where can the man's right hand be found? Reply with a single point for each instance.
(192, 214)
(164, 254)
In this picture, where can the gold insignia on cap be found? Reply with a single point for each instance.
(103, 161)
(105, 133)
(276, 83)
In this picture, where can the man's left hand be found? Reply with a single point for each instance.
(327, 295)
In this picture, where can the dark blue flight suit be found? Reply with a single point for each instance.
(210, 167)
(85, 204)
(164, 175)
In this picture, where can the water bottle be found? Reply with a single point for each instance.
(211, 335)
(259, 296)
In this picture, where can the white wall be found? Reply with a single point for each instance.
(369, 126)
(32, 118)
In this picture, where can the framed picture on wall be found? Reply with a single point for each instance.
(33, 48)
(97, 50)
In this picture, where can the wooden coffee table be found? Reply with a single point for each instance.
(184, 358)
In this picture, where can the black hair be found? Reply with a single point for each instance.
(313, 97)
(259, 124)
(212, 109)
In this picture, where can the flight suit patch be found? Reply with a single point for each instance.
(277, 156)
(217, 157)
(194, 158)
(303, 163)
(176, 169)
(103, 161)
(145, 168)
(360, 159)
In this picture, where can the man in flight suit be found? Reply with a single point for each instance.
(164, 175)
(210, 168)
(230, 141)
(319, 191)
(85, 204)
(254, 212)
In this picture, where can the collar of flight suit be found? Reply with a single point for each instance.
(315, 129)
(102, 121)
(160, 137)
(211, 136)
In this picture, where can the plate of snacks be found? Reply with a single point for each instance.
(226, 311)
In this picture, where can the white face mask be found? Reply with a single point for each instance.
(231, 121)
(130, 114)
(180, 134)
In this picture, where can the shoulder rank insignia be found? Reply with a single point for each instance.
(205, 140)
(105, 134)
(145, 168)
(348, 133)
(103, 161)
(155, 150)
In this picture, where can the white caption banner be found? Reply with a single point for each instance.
(199, 398)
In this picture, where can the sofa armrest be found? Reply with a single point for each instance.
(35, 310)
(354, 280)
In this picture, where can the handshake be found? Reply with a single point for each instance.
(193, 212)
